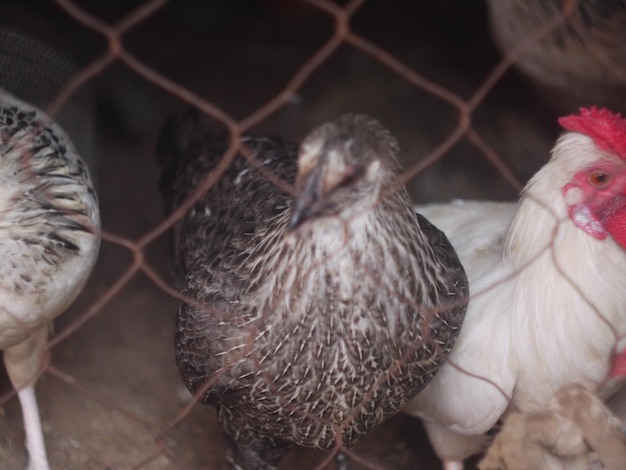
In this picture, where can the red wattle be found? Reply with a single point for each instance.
(618, 368)
(616, 225)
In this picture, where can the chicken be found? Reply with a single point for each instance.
(548, 308)
(49, 215)
(579, 63)
(49, 240)
(305, 319)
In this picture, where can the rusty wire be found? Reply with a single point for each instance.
(342, 35)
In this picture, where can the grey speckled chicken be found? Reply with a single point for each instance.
(326, 312)
(49, 240)
(49, 217)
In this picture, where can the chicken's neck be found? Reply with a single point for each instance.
(379, 244)
(567, 296)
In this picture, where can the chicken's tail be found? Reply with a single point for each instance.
(189, 145)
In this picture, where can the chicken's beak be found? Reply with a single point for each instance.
(308, 197)
(300, 213)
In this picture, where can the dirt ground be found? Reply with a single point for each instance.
(112, 398)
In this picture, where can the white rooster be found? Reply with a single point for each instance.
(548, 302)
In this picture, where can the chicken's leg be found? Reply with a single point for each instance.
(24, 362)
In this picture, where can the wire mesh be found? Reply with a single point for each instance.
(468, 124)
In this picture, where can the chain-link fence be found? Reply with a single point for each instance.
(470, 125)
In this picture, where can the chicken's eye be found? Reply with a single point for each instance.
(599, 179)
(350, 175)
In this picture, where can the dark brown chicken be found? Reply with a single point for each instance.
(325, 312)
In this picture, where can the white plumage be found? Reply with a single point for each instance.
(476, 229)
(548, 303)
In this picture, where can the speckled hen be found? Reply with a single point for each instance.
(49, 239)
(308, 319)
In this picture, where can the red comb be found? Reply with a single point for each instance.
(606, 128)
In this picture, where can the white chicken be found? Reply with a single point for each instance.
(548, 303)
